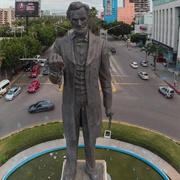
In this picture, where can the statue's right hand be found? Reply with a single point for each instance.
(55, 62)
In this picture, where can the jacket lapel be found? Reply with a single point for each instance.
(69, 48)
(92, 48)
(70, 51)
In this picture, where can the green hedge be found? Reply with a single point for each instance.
(164, 147)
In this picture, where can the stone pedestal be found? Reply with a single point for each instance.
(81, 170)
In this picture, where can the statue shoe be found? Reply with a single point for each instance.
(93, 176)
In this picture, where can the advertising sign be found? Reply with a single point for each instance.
(108, 7)
(26, 9)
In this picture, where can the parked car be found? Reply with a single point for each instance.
(41, 106)
(5, 85)
(166, 91)
(42, 63)
(134, 65)
(12, 93)
(45, 70)
(113, 50)
(143, 75)
(144, 63)
(161, 59)
(28, 67)
(34, 71)
(33, 86)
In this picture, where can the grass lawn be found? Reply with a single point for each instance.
(166, 148)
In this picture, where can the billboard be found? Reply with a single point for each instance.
(108, 7)
(26, 9)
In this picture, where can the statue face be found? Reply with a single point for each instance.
(79, 20)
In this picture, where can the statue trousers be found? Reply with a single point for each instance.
(72, 145)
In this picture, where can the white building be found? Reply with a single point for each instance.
(143, 24)
(166, 27)
(7, 15)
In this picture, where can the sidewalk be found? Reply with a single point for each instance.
(169, 77)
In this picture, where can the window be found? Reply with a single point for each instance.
(7, 84)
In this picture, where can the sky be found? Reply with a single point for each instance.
(54, 5)
(60, 5)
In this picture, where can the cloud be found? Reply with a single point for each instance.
(56, 5)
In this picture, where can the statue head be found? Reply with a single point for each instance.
(78, 14)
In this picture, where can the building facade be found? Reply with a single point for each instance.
(110, 10)
(144, 24)
(141, 6)
(166, 28)
(126, 13)
(7, 15)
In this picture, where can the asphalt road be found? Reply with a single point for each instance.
(136, 101)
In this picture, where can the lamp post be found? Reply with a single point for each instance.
(111, 28)
(68, 30)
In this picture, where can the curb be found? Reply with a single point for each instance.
(171, 85)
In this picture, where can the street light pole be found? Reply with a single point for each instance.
(106, 35)
(111, 28)
(68, 30)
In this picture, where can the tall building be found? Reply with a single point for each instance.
(7, 15)
(141, 6)
(166, 29)
(110, 10)
(126, 13)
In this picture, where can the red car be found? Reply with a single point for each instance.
(161, 59)
(34, 71)
(33, 86)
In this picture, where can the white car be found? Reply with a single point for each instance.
(166, 91)
(134, 65)
(143, 75)
(12, 93)
(144, 63)
(42, 63)
(37, 56)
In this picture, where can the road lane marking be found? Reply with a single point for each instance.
(140, 84)
(24, 84)
(115, 66)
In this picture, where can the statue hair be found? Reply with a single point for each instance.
(75, 6)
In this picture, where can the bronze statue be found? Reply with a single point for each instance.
(82, 58)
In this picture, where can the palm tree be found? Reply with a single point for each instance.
(155, 50)
(146, 49)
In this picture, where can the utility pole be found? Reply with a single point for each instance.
(111, 28)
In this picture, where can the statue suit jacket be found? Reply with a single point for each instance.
(97, 68)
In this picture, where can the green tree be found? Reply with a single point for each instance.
(5, 30)
(14, 48)
(155, 50)
(118, 28)
(94, 21)
(12, 52)
(135, 38)
(43, 33)
(1, 61)
(30, 46)
(146, 49)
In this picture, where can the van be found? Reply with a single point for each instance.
(5, 85)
